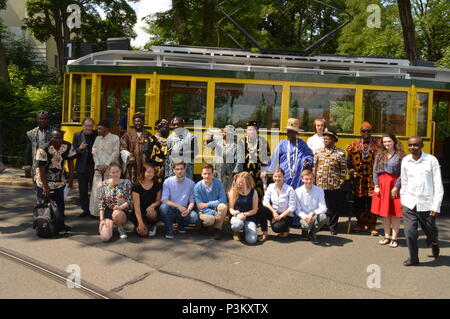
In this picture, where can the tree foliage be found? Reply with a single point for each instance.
(31, 88)
(48, 18)
(275, 24)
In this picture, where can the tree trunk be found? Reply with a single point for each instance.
(208, 21)
(3, 66)
(59, 39)
(180, 17)
(409, 33)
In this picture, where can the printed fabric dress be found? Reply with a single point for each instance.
(252, 156)
(115, 195)
(155, 151)
(361, 157)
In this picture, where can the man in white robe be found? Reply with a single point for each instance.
(105, 152)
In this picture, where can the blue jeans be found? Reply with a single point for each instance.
(169, 214)
(56, 195)
(250, 229)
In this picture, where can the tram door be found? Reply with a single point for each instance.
(441, 117)
(115, 101)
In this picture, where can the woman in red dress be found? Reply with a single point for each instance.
(386, 177)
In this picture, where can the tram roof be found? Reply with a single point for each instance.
(217, 60)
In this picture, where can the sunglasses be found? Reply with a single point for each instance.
(366, 131)
(414, 145)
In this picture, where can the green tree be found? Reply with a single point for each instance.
(433, 28)
(3, 66)
(49, 19)
(196, 23)
(357, 38)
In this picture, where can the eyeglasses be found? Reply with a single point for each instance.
(414, 145)
(366, 131)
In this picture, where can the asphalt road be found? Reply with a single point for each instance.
(195, 266)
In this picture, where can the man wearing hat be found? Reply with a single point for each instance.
(105, 152)
(360, 160)
(156, 151)
(292, 155)
(330, 170)
(131, 147)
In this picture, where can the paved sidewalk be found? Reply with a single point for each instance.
(194, 265)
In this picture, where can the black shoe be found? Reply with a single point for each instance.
(85, 214)
(408, 262)
(435, 249)
(217, 234)
(67, 228)
(334, 232)
(312, 236)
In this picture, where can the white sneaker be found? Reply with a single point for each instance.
(122, 232)
(152, 231)
(169, 236)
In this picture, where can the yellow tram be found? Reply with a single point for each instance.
(223, 86)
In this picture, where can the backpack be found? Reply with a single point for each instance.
(46, 219)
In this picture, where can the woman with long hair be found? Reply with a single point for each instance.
(386, 177)
(146, 195)
(115, 202)
(244, 207)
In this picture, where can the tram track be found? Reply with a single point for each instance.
(56, 275)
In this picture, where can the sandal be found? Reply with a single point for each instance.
(384, 241)
(394, 243)
(236, 237)
(263, 238)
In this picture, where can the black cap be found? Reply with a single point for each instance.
(104, 123)
(252, 123)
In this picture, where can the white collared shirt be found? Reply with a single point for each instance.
(315, 142)
(421, 183)
(280, 203)
(310, 200)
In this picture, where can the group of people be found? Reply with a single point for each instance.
(149, 178)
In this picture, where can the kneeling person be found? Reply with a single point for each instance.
(211, 200)
(146, 196)
(115, 202)
(178, 201)
(311, 207)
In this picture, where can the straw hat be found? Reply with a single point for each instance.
(293, 124)
(332, 134)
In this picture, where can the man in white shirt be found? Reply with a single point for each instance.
(421, 197)
(315, 142)
(311, 207)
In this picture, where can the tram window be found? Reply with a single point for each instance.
(386, 111)
(141, 98)
(66, 98)
(236, 104)
(76, 99)
(183, 98)
(422, 114)
(336, 106)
